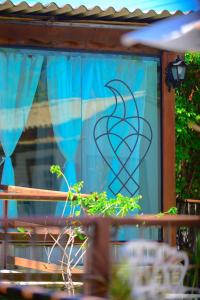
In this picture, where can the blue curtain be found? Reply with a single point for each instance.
(125, 127)
(97, 101)
(19, 76)
(113, 99)
(113, 102)
(64, 93)
(97, 105)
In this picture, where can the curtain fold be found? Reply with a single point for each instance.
(19, 78)
(98, 129)
(97, 102)
(64, 94)
(111, 122)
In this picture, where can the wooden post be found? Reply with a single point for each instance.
(168, 134)
(5, 231)
(98, 260)
(168, 146)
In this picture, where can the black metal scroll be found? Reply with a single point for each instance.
(110, 129)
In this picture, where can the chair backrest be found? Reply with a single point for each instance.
(155, 269)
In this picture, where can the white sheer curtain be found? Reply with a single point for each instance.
(64, 93)
(19, 76)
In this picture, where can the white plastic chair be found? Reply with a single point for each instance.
(155, 269)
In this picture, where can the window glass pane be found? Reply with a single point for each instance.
(96, 115)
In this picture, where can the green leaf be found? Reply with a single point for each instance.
(187, 140)
(77, 213)
(55, 169)
(21, 230)
(160, 214)
(81, 237)
(172, 211)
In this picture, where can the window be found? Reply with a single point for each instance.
(96, 115)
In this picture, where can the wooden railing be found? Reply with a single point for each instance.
(30, 194)
(189, 206)
(98, 261)
(97, 270)
(10, 193)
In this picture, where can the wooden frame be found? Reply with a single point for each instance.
(47, 35)
(98, 267)
(168, 137)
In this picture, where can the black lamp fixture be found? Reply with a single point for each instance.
(175, 73)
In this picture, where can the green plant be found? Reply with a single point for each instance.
(171, 211)
(188, 130)
(97, 204)
(196, 260)
(94, 204)
(120, 286)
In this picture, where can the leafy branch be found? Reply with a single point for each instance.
(187, 131)
(98, 204)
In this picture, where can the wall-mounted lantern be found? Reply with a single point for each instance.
(175, 73)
